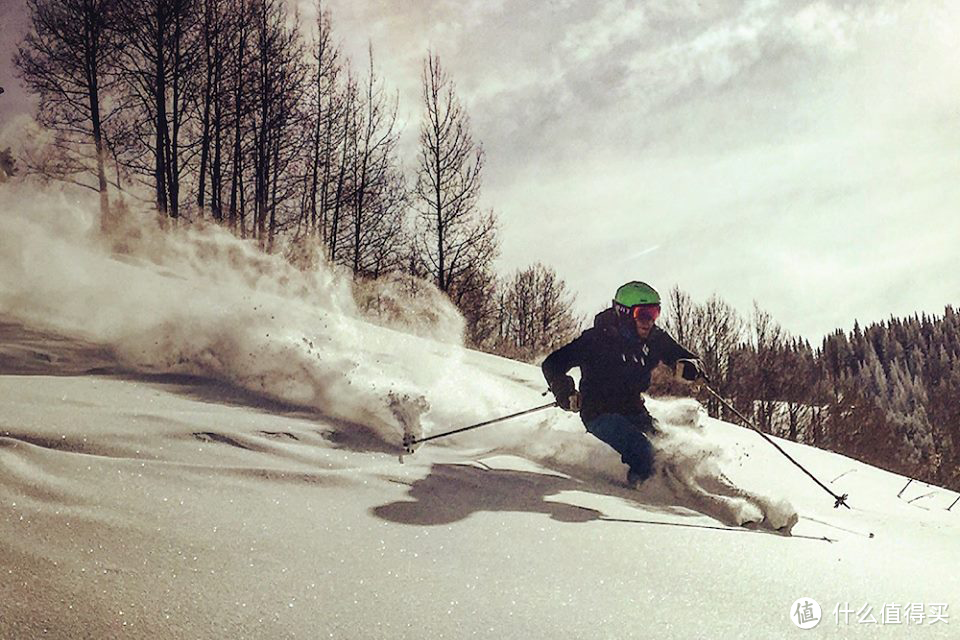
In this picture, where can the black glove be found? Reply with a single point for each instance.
(570, 402)
(568, 398)
(690, 369)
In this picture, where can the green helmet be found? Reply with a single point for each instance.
(634, 293)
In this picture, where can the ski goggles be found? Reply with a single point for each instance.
(638, 311)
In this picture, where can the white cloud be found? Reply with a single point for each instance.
(823, 27)
(616, 23)
(769, 149)
(713, 57)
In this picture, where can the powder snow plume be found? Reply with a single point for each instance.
(199, 301)
(689, 467)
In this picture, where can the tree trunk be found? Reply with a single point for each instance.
(160, 91)
(236, 187)
(94, 95)
(275, 178)
(207, 98)
(216, 174)
(341, 179)
(204, 146)
(173, 168)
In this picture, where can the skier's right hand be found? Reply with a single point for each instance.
(565, 391)
(569, 402)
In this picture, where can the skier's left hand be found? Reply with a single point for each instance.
(690, 369)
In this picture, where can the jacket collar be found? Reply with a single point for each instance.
(610, 325)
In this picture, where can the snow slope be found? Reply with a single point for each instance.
(196, 441)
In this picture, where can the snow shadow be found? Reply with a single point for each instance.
(453, 492)
(30, 352)
(25, 351)
(718, 527)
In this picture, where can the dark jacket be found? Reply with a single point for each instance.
(615, 365)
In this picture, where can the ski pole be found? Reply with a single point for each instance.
(905, 487)
(409, 441)
(840, 500)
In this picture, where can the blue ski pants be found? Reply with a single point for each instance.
(627, 435)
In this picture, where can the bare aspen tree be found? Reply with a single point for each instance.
(478, 298)
(184, 44)
(341, 190)
(279, 73)
(535, 313)
(374, 169)
(713, 330)
(473, 246)
(389, 238)
(720, 330)
(215, 27)
(66, 59)
(237, 60)
(327, 109)
(557, 322)
(264, 88)
(456, 236)
(799, 377)
(769, 342)
(680, 313)
(159, 60)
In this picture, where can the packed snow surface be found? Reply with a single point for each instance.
(199, 441)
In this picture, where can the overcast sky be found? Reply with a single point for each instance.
(805, 155)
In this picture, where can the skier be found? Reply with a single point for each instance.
(616, 358)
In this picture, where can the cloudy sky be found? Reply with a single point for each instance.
(804, 155)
